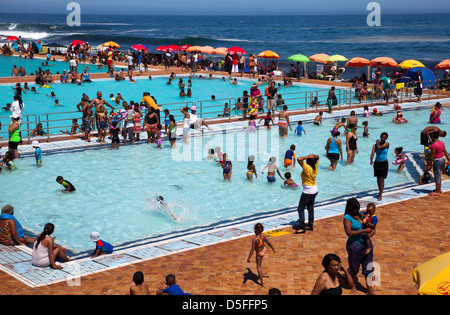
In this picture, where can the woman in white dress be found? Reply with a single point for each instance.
(45, 252)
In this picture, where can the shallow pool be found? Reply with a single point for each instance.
(70, 95)
(115, 189)
(32, 65)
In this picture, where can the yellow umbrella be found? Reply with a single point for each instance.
(433, 277)
(268, 54)
(336, 58)
(111, 44)
(409, 64)
(322, 58)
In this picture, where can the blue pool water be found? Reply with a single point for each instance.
(32, 65)
(70, 95)
(115, 189)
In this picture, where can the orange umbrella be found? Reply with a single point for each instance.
(268, 54)
(443, 65)
(322, 58)
(193, 48)
(220, 51)
(357, 62)
(206, 49)
(384, 62)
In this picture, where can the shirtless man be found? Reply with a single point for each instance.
(318, 120)
(15, 71)
(99, 103)
(425, 135)
(340, 124)
(352, 119)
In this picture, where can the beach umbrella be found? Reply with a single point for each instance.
(193, 48)
(41, 41)
(384, 62)
(139, 47)
(408, 64)
(432, 277)
(443, 65)
(237, 50)
(111, 44)
(173, 48)
(206, 49)
(322, 58)
(161, 48)
(299, 58)
(336, 58)
(268, 54)
(77, 42)
(220, 51)
(184, 47)
(358, 62)
(12, 38)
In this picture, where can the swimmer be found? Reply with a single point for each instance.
(68, 187)
(400, 159)
(251, 168)
(318, 120)
(161, 202)
(272, 167)
(289, 182)
(227, 167)
(289, 157)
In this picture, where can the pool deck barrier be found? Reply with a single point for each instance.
(16, 261)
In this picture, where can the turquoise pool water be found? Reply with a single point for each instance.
(31, 65)
(115, 189)
(70, 95)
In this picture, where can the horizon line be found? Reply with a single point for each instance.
(229, 14)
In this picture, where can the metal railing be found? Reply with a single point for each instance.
(58, 123)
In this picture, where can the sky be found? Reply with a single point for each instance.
(228, 7)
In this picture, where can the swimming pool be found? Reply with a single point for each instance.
(115, 189)
(70, 95)
(32, 65)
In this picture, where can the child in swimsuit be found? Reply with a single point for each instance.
(251, 168)
(366, 129)
(68, 187)
(289, 182)
(400, 159)
(289, 157)
(258, 245)
(370, 220)
(227, 167)
(272, 167)
(158, 137)
(252, 124)
(114, 132)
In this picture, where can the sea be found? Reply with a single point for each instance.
(423, 37)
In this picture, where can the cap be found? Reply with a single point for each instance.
(8, 209)
(35, 143)
(193, 107)
(94, 237)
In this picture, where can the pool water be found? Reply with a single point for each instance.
(32, 65)
(115, 188)
(70, 95)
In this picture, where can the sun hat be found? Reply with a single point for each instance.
(8, 209)
(35, 144)
(94, 237)
(193, 107)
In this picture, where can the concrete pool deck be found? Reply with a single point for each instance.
(15, 262)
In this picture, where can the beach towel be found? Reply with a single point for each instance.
(19, 228)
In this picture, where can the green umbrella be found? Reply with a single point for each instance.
(299, 58)
(336, 58)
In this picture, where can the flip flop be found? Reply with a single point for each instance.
(434, 194)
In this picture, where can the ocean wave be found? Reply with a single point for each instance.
(25, 35)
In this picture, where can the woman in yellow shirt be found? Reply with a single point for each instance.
(310, 165)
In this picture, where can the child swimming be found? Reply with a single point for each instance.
(68, 187)
(162, 203)
(258, 246)
(289, 182)
(366, 129)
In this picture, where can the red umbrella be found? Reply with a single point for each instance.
(12, 38)
(161, 48)
(77, 42)
(173, 48)
(237, 50)
(139, 47)
(185, 46)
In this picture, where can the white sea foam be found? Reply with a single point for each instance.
(34, 35)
